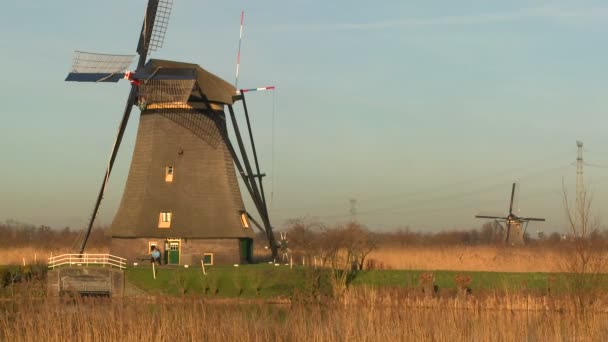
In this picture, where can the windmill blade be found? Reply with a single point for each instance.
(516, 198)
(154, 27)
(499, 226)
(121, 130)
(98, 67)
(532, 219)
(526, 228)
(491, 217)
(512, 196)
(151, 37)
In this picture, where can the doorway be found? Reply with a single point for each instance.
(173, 252)
(246, 248)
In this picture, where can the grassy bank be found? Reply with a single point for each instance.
(270, 281)
(380, 305)
(224, 281)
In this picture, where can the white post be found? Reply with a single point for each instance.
(315, 262)
(35, 260)
(303, 264)
(203, 265)
(153, 270)
(291, 262)
(23, 261)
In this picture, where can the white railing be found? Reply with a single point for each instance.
(87, 259)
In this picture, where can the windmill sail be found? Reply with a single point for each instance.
(98, 67)
(515, 226)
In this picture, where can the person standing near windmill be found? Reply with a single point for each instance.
(155, 255)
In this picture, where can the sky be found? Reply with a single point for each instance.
(422, 112)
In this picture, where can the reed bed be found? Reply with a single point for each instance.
(455, 258)
(367, 315)
(29, 255)
(470, 258)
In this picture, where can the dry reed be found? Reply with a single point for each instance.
(401, 319)
(473, 258)
(31, 255)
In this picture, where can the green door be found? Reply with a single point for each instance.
(173, 253)
(246, 250)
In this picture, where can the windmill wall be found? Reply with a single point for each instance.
(225, 251)
(516, 235)
(203, 197)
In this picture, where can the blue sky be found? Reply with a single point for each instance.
(423, 111)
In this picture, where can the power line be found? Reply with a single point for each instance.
(432, 191)
(409, 210)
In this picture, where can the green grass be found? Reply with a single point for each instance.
(268, 281)
(221, 281)
(445, 279)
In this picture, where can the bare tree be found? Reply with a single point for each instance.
(586, 258)
(305, 237)
(358, 242)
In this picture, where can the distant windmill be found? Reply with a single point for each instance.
(514, 234)
(284, 248)
(182, 191)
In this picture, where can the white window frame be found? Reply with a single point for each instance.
(152, 243)
(211, 255)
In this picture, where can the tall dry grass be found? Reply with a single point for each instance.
(457, 258)
(473, 258)
(10, 256)
(190, 319)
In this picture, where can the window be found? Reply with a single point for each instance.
(208, 259)
(152, 244)
(244, 220)
(164, 220)
(169, 173)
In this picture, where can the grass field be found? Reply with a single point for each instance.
(247, 281)
(529, 269)
(240, 303)
(266, 281)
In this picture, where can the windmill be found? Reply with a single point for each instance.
(182, 191)
(283, 246)
(514, 234)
